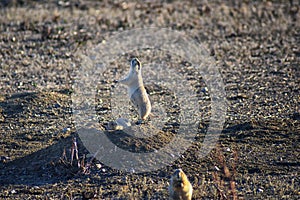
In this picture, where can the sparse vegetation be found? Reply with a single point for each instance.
(256, 45)
(224, 176)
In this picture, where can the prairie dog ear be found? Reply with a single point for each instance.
(138, 65)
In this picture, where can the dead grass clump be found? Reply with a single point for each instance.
(224, 176)
(72, 163)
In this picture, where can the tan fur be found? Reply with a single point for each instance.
(136, 89)
(141, 101)
(180, 187)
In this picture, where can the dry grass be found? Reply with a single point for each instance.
(73, 162)
(224, 176)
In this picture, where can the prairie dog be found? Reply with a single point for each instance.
(136, 90)
(180, 187)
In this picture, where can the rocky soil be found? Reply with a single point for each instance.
(256, 45)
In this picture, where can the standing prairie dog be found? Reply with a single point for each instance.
(180, 187)
(136, 90)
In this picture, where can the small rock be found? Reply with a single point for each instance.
(260, 190)
(4, 158)
(28, 137)
(67, 129)
(98, 165)
(204, 90)
(217, 168)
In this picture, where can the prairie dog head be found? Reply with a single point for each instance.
(178, 177)
(135, 74)
(135, 65)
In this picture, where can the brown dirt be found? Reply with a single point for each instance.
(256, 44)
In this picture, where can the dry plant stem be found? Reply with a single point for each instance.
(74, 149)
(232, 181)
(86, 168)
(219, 184)
(64, 156)
(223, 191)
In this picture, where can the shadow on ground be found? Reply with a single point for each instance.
(39, 168)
